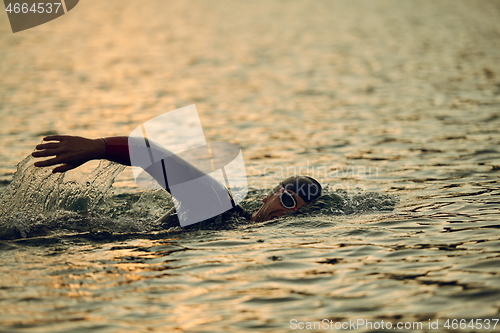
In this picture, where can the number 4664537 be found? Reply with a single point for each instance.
(39, 8)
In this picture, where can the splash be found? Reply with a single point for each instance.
(334, 202)
(342, 202)
(39, 203)
(38, 190)
(35, 199)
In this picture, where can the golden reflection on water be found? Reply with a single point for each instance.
(329, 89)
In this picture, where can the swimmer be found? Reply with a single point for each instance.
(72, 151)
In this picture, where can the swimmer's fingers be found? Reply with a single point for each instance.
(52, 145)
(50, 148)
(59, 160)
(64, 168)
(45, 153)
(52, 161)
(56, 137)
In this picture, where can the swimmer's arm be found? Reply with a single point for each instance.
(73, 151)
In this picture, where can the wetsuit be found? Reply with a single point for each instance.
(199, 196)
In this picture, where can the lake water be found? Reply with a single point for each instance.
(393, 106)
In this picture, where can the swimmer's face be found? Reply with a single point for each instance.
(273, 208)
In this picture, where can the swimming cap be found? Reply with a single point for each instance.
(306, 187)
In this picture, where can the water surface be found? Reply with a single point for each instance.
(393, 105)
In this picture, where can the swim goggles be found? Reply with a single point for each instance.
(286, 198)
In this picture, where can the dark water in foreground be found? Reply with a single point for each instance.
(393, 105)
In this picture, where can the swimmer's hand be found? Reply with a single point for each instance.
(70, 151)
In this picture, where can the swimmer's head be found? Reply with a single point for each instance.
(290, 195)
